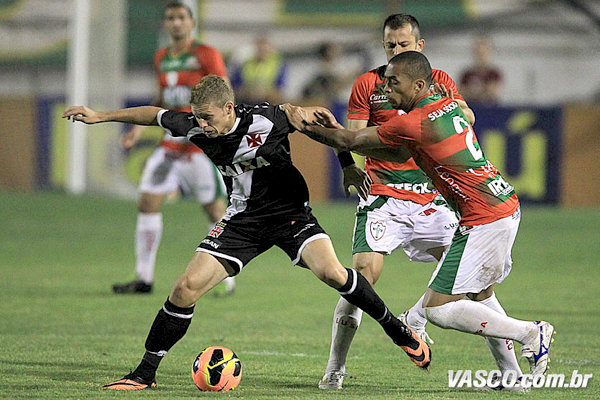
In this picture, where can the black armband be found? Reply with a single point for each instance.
(345, 158)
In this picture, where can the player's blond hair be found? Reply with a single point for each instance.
(213, 90)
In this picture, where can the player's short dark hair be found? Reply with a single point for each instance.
(213, 90)
(397, 21)
(178, 4)
(415, 65)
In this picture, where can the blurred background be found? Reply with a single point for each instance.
(537, 110)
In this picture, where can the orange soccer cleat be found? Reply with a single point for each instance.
(131, 382)
(419, 352)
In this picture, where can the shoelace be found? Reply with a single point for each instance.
(338, 374)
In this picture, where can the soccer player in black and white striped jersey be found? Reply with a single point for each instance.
(268, 207)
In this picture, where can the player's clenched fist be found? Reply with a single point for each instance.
(83, 114)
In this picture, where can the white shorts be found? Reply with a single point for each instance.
(166, 172)
(384, 224)
(478, 257)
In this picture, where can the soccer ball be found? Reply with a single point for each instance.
(217, 369)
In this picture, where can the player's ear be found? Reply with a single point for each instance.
(229, 106)
(420, 45)
(419, 85)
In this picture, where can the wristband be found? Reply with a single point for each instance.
(345, 158)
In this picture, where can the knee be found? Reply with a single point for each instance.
(149, 203)
(439, 315)
(185, 292)
(145, 206)
(367, 269)
(334, 276)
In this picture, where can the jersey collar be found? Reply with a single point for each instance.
(426, 99)
(235, 125)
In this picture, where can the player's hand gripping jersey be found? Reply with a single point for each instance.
(369, 102)
(176, 78)
(444, 146)
(254, 159)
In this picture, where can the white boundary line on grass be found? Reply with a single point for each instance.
(278, 354)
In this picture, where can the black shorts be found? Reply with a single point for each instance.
(236, 241)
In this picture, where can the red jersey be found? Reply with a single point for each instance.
(444, 146)
(176, 78)
(401, 180)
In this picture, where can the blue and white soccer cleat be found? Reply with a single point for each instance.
(537, 351)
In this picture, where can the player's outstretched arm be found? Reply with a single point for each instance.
(361, 140)
(325, 129)
(145, 115)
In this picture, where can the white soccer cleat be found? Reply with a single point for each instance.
(332, 380)
(419, 330)
(537, 351)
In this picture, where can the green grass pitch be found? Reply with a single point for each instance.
(63, 334)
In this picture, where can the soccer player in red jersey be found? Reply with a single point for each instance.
(402, 210)
(176, 162)
(443, 144)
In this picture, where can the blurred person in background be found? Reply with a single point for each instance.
(262, 77)
(327, 85)
(176, 163)
(481, 83)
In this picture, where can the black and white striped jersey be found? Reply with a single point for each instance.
(254, 159)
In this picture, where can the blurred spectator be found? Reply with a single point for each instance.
(481, 83)
(327, 85)
(596, 96)
(262, 77)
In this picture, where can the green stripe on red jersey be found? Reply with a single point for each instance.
(445, 147)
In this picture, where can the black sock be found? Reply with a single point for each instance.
(358, 291)
(169, 326)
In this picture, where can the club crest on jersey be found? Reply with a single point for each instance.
(377, 229)
(216, 231)
(254, 140)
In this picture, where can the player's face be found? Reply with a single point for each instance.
(401, 91)
(396, 41)
(214, 120)
(178, 23)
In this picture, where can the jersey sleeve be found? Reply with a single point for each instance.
(280, 116)
(212, 61)
(358, 105)
(176, 123)
(401, 129)
(444, 79)
(157, 58)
